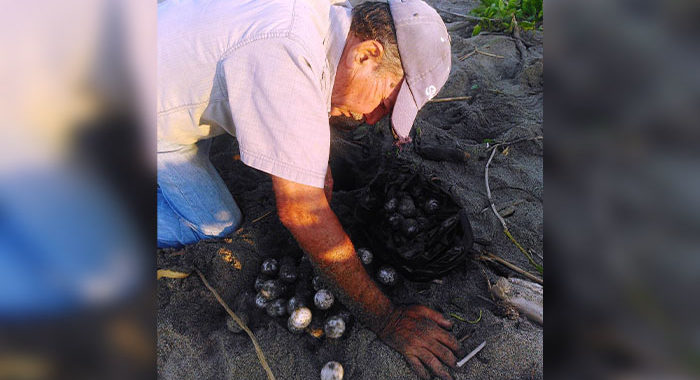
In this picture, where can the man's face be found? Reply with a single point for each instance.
(360, 93)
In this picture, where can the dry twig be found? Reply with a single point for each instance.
(500, 218)
(261, 217)
(499, 143)
(468, 17)
(477, 51)
(471, 354)
(493, 258)
(242, 324)
(468, 55)
(465, 337)
(452, 99)
(489, 54)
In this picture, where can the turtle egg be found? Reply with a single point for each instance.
(259, 281)
(387, 276)
(271, 289)
(334, 327)
(288, 273)
(294, 303)
(317, 283)
(260, 301)
(269, 267)
(395, 221)
(409, 227)
(365, 256)
(431, 206)
(406, 207)
(299, 319)
(332, 371)
(323, 299)
(391, 205)
(276, 308)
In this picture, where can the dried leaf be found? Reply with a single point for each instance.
(170, 274)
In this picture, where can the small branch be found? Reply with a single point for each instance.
(468, 17)
(494, 146)
(468, 55)
(500, 218)
(453, 99)
(493, 258)
(476, 320)
(261, 217)
(476, 50)
(488, 54)
(520, 247)
(465, 337)
(242, 324)
(488, 190)
(471, 354)
(532, 251)
(518, 40)
(486, 299)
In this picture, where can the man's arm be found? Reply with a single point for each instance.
(415, 331)
(305, 211)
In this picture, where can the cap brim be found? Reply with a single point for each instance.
(404, 113)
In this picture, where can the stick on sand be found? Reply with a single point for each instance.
(471, 354)
(242, 324)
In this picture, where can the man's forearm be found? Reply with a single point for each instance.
(317, 230)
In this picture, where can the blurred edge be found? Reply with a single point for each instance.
(77, 173)
(622, 111)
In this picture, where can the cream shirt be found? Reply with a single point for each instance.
(260, 70)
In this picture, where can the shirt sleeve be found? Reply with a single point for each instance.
(278, 110)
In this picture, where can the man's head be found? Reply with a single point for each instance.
(396, 53)
(369, 71)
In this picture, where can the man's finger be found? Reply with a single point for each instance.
(437, 317)
(443, 353)
(434, 364)
(448, 340)
(418, 367)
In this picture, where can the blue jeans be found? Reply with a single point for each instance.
(193, 201)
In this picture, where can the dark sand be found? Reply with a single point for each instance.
(506, 104)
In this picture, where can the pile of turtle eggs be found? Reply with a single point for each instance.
(307, 310)
(287, 289)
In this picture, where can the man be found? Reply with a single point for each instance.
(272, 73)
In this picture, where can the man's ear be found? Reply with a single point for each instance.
(369, 51)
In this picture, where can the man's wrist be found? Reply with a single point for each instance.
(385, 321)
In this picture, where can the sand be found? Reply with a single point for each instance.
(506, 104)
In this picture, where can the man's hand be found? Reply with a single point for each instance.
(418, 333)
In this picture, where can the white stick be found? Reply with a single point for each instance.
(471, 354)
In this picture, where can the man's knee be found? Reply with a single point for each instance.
(223, 223)
(218, 230)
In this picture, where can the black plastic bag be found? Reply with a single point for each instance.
(412, 223)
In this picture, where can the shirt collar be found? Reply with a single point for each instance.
(340, 19)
